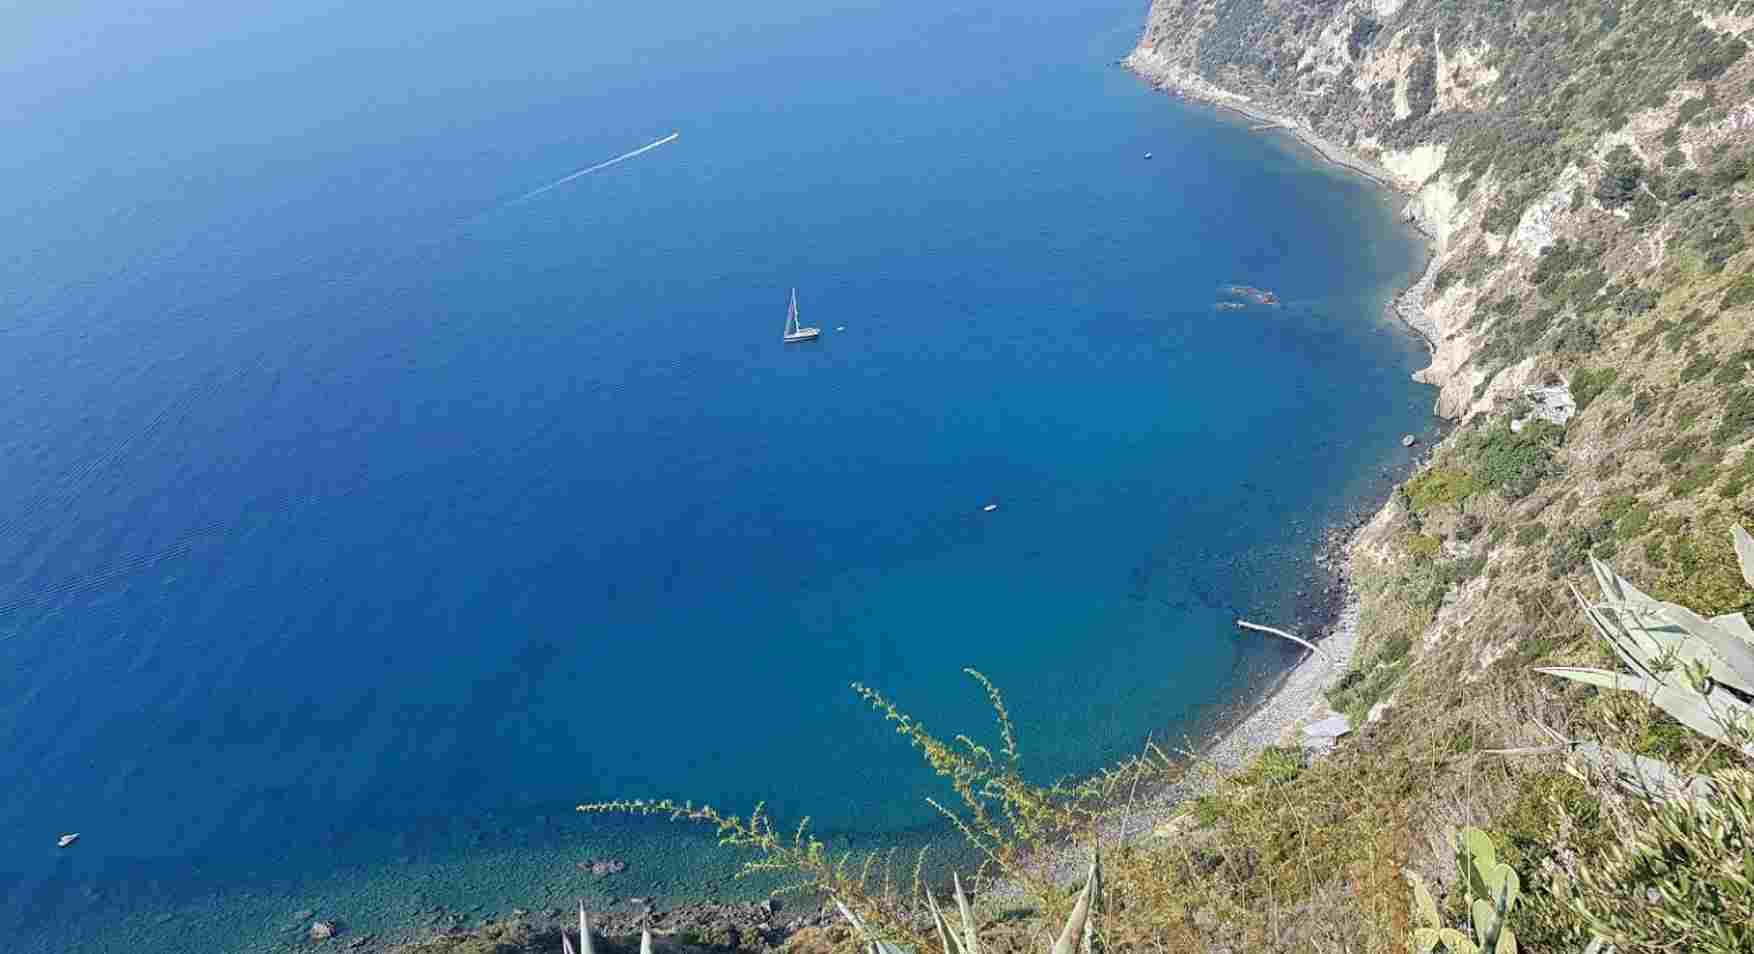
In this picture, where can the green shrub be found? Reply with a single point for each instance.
(1577, 544)
(1678, 879)
(1633, 522)
(1620, 178)
(1699, 367)
(1734, 368)
(1512, 463)
(1738, 417)
(1740, 292)
(1531, 534)
(1689, 110)
(1423, 546)
(1438, 486)
(1587, 384)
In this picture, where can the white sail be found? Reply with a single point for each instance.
(795, 331)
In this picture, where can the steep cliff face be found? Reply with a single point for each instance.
(1506, 123)
(1585, 170)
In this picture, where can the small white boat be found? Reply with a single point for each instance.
(794, 332)
(66, 840)
(1147, 155)
(989, 508)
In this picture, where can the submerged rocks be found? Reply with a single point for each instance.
(322, 930)
(601, 867)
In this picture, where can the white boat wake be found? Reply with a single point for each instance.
(648, 147)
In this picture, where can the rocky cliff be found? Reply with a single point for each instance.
(1585, 170)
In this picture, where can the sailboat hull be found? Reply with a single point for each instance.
(803, 334)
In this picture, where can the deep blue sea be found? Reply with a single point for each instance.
(357, 520)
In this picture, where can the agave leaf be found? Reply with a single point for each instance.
(1734, 658)
(1092, 943)
(565, 945)
(645, 940)
(1736, 624)
(1506, 942)
(1426, 940)
(1696, 712)
(1744, 553)
(1607, 580)
(1424, 906)
(1594, 677)
(881, 947)
(970, 941)
(1074, 929)
(944, 939)
(584, 931)
(1636, 650)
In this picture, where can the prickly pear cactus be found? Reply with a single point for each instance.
(1493, 889)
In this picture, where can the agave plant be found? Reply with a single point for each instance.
(1077, 937)
(1701, 671)
(645, 937)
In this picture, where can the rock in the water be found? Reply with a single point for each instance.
(1408, 440)
(603, 866)
(322, 930)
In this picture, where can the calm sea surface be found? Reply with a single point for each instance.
(357, 520)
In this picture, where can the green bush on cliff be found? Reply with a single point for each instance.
(1513, 462)
(1682, 879)
(1589, 384)
(1619, 184)
(1438, 486)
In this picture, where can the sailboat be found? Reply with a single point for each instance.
(793, 331)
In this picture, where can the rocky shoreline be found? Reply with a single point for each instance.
(1409, 305)
(758, 926)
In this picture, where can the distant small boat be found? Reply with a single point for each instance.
(794, 332)
(989, 508)
(66, 840)
(1147, 155)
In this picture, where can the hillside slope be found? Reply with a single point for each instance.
(1584, 171)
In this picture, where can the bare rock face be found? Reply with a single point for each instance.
(322, 930)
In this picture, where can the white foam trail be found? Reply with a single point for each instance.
(648, 147)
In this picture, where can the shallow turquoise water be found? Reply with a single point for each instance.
(358, 521)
